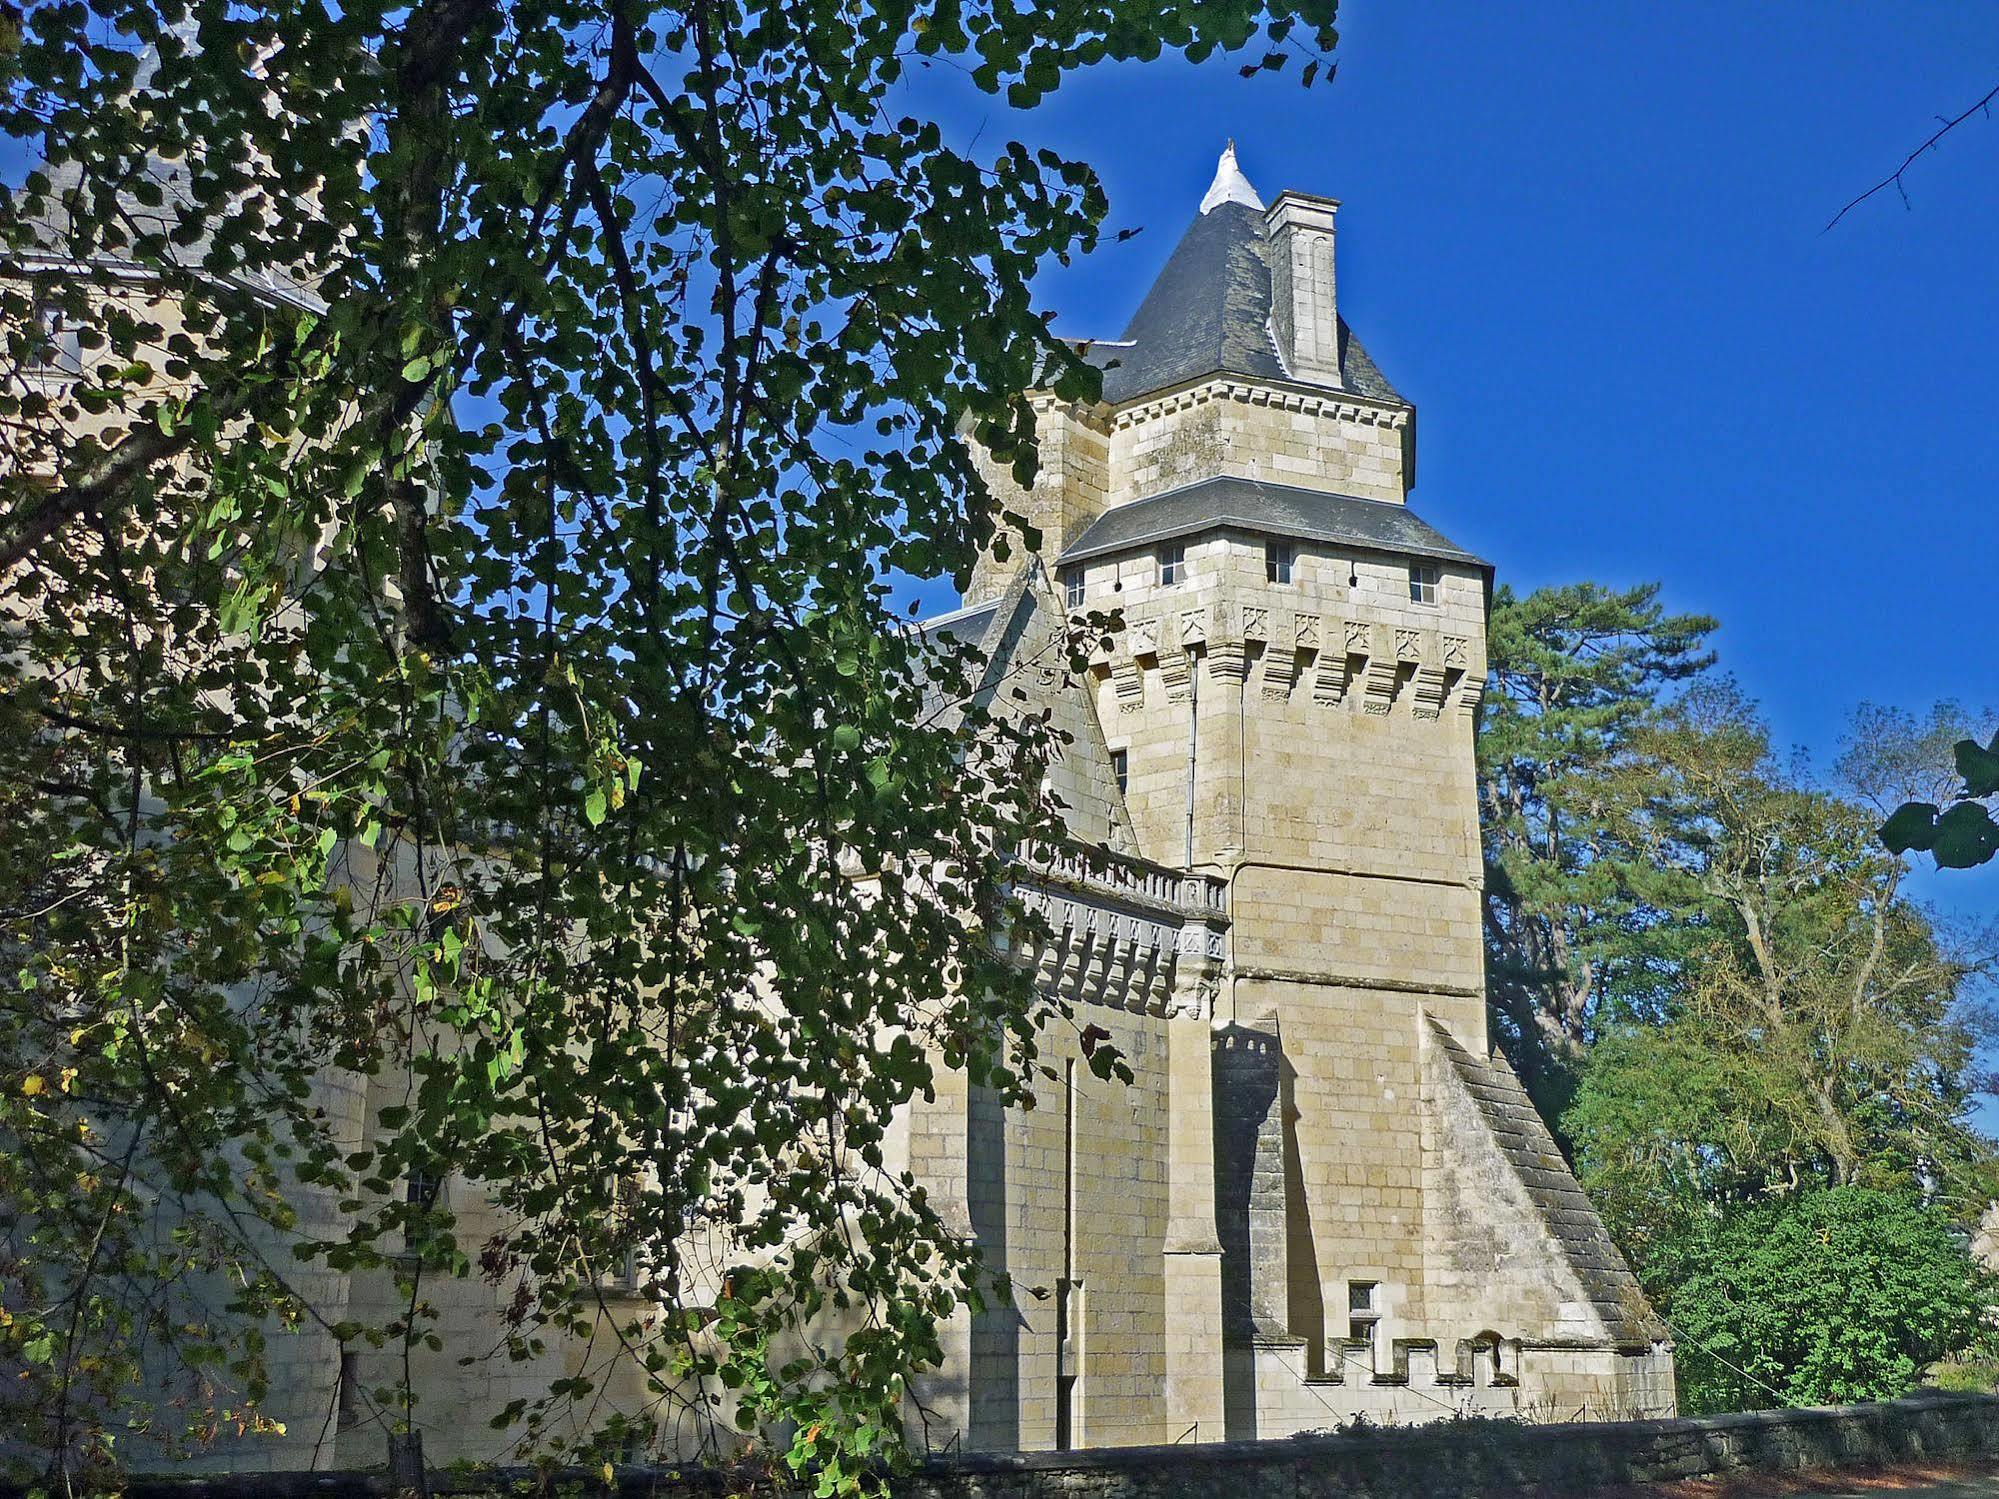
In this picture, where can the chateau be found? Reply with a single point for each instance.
(1326, 1194)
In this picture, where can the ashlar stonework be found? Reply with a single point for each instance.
(1326, 1194)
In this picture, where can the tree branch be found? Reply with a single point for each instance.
(1894, 178)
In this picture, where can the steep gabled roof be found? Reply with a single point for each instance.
(1022, 635)
(1209, 313)
(1565, 1212)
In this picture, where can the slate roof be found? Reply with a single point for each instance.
(1524, 1140)
(968, 625)
(1280, 509)
(1209, 313)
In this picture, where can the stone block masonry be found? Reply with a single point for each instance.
(1451, 1458)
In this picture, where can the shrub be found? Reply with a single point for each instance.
(1829, 1296)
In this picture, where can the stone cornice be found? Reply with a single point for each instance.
(1311, 400)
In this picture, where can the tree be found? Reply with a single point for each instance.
(1823, 1031)
(448, 638)
(1832, 1296)
(1582, 918)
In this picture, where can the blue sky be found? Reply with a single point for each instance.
(1588, 242)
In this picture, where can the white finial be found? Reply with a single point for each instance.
(1229, 186)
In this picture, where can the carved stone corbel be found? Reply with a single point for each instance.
(1427, 690)
(1228, 661)
(1129, 682)
(1384, 675)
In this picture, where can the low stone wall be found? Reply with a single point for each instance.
(1445, 1458)
(1489, 1457)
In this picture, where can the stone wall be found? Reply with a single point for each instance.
(1492, 1457)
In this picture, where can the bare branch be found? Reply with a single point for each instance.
(1894, 178)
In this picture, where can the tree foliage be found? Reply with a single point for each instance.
(1831, 1296)
(449, 647)
(1824, 1028)
(1703, 961)
(1582, 916)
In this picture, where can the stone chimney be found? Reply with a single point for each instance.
(1304, 316)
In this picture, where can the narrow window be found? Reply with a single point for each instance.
(1066, 1308)
(1069, 1288)
(1363, 1315)
(1277, 562)
(1072, 589)
(1173, 564)
(1121, 769)
(420, 1191)
(1424, 581)
(350, 1389)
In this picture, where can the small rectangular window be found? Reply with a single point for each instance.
(1072, 589)
(57, 348)
(1173, 564)
(1121, 769)
(1425, 582)
(1277, 562)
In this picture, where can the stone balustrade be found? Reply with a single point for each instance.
(1123, 932)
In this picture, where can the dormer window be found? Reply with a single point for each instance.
(1426, 579)
(1277, 558)
(1172, 564)
(1072, 589)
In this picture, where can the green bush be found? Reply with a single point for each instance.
(1829, 1296)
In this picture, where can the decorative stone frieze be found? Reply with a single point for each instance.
(1341, 407)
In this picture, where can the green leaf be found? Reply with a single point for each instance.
(594, 807)
(1979, 767)
(1911, 826)
(1966, 836)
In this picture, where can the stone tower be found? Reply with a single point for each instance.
(1361, 1209)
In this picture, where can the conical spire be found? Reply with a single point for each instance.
(1229, 186)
